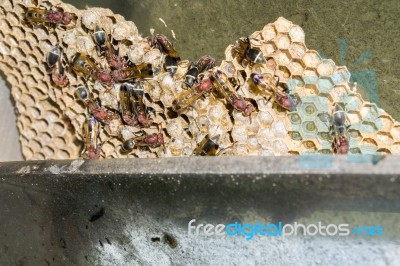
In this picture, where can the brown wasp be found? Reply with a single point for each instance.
(125, 105)
(57, 64)
(188, 97)
(162, 43)
(242, 49)
(205, 63)
(141, 71)
(208, 146)
(132, 106)
(145, 140)
(99, 112)
(52, 16)
(281, 96)
(222, 84)
(171, 65)
(104, 47)
(339, 129)
(85, 65)
(91, 131)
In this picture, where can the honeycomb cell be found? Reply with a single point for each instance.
(326, 136)
(326, 68)
(383, 151)
(325, 86)
(282, 41)
(338, 93)
(309, 145)
(295, 118)
(296, 67)
(296, 33)
(62, 155)
(268, 32)
(282, 25)
(354, 118)
(167, 98)
(282, 57)
(278, 129)
(386, 122)
(228, 68)
(309, 129)
(355, 150)
(325, 151)
(295, 135)
(48, 152)
(311, 59)
(384, 138)
(340, 75)
(279, 147)
(369, 141)
(395, 148)
(369, 112)
(308, 109)
(353, 102)
(176, 146)
(354, 135)
(284, 72)
(252, 143)
(271, 64)
(215, 113)
(4, 48)
(33, 112)
(5, 26)
(368, 127)
(269, 48)
(11, 41)
(312, 89)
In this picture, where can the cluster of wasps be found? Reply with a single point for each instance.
(201, 78)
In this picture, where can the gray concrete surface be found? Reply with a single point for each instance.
(136, 212)
(10, 148)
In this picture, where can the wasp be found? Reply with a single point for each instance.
(91, 131)
(281, 96)
(59, 76)
(145, 140)
(38, 15)
(162, 43)
(140, 108)
(132, 106)
(82, 93)
(208, 146)
(339, 129)
(85, 66)
(53, 56)
(98, 111)
(171, 65)
(104, 48)
(57, 66)
(191, 75)
(205, 63)
(100, 38)
(125, 105)
(242, 49)
(189, 96)
(222, 84)
(139, 71)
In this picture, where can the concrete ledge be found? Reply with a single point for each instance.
(136, 211)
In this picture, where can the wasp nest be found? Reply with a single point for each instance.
(51, 118)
